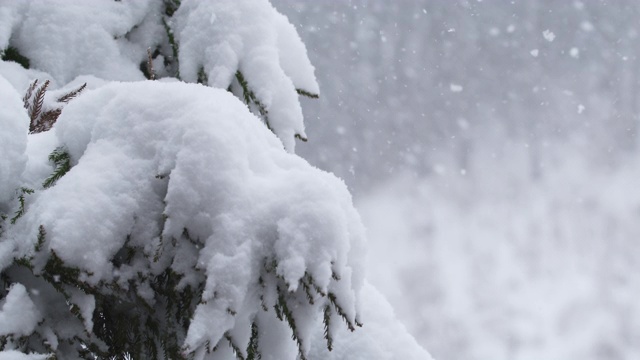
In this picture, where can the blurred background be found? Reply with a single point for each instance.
(491, 148)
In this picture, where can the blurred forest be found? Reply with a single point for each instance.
(492, 150)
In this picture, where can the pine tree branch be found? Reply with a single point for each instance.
(152, 74)
(46, 121)
(340, 311)
(12, 54)
(307, 94)
(253, 350)
(288, 316)
(326, 320)
(29, 94)
(236, 349)
(41, 238)
(69, 96)
(170, 36)
(36, 106)
(21, 199)
(250, 98)
(62, 161)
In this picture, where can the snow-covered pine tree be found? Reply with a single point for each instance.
(162, 219)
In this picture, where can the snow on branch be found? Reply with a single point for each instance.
(236, 232)
(224, 38)
(206, 41)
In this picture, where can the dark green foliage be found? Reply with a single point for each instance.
(251, 100)
(253, 353)
(284, 313)
(131, 326)
(62, 162)
(334, 301)
(42, 234)
(202, 76)
(3, 218)
(12, 54)
(326, 320)
(308, 291)
(307, 94)
(236, 349)
(57, 273)
(127, 325)
(171, 60)
(21, 199)
(256, 106)
(170, 7)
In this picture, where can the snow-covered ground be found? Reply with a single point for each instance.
(492, 265)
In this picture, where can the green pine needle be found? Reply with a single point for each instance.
(62, 161)
(21, 199)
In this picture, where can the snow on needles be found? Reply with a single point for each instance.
(253, 38)
(214, 39)
(195, 156)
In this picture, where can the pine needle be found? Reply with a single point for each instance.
(29, 94)
(69, 96)
(36, 106)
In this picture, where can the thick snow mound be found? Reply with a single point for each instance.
(224, 36)
(76, 38)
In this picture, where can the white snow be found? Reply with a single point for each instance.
(501, 260)
(18, 314)
(11, 13)
(293, 56)
(229, 182)
(574, 52)
(109, 39)
(548, 35)
(586, 26)
(252, 37)
(455, 87)
(14, 123)
(16, 355)
(93, 42)
(381, 337)
(152, 159)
